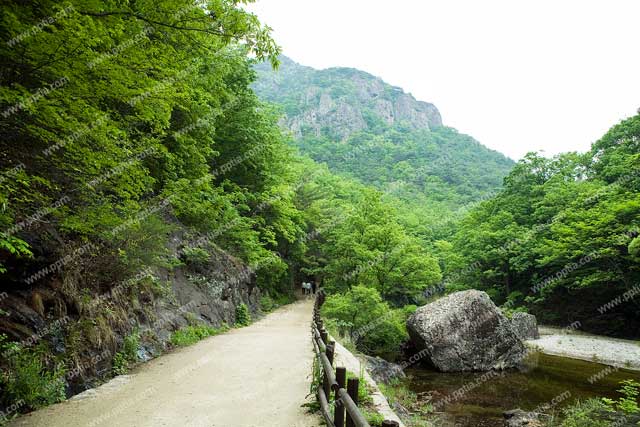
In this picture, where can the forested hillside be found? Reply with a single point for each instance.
(166, 174)
(365, 128)
(560, 241)
(560, 232)
(149, 198)
(561, 238)
(139, 185)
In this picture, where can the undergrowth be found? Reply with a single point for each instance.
(397, 392)
(628, 402)
(365, 400)
(192, 334)
(243, 317)
(123, 359)
(602, 412)
(29, 377)
(269, 303)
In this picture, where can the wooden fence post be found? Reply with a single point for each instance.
(324, 336)
(331, 350)
(338, 414)
(326, 384)
(352, 390)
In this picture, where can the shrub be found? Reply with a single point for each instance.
(27, 377)
(267, 304)
(373, 417)
(243, 317)
(365, 400)
(634, 247)
(120, 364)
(628, 403)
(372, 326)
(364, 391)
(196, 256)
(509, 312)
(585, 414)
(590, 413)
(130, 347)
(284, 299)
(192, 334)
(128, 354)
(397, 392)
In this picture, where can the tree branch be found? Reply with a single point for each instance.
(152, 21)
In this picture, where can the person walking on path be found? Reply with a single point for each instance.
(306, 288)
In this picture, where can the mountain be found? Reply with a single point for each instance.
(375, 132)
(340, 101)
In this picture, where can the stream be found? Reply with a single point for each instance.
(543, 378)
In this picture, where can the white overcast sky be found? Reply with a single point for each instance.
(517, 75)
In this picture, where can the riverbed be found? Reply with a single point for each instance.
(593, 348)
(543, 380)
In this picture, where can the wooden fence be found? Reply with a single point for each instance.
(344, 399)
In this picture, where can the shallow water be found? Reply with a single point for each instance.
(543, 380)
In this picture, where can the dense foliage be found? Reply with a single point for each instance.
(562, 236)
(362, 317)
(363, 242)
(125, 126)
(604, 412)
(154, 100)
(441, 164)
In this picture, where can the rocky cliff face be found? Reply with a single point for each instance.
(340, 101)
(83, 328)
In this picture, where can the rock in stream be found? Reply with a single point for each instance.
(382, 371)
(525, 326)
(465, 331)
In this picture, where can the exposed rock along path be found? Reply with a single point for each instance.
(256, 376)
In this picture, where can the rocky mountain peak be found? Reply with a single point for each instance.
(340, 101)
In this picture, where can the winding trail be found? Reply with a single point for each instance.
(251, 377)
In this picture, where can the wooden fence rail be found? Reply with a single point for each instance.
(345, 399)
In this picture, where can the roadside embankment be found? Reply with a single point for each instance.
(344, 357)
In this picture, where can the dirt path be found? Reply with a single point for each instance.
(251, 377)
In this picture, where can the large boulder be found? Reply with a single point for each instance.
(525, 326)
(465, 331)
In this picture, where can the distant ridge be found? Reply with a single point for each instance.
(370, 130)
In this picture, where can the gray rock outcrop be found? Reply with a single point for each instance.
(465, 331)
(343, 100)
(206, 292)
(520, 418)
(382, 371)
(525, 326)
